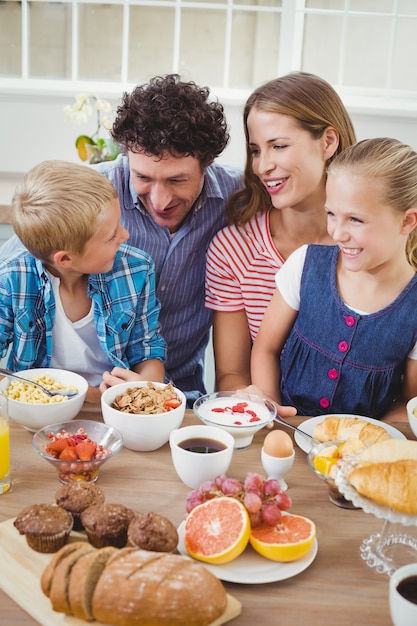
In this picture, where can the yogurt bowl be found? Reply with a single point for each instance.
(240, 414)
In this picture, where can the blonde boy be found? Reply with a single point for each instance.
(78, 297)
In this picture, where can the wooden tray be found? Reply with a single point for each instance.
(20, 573)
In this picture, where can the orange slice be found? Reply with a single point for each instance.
(217, 531)
(289, 540)
(324, 464)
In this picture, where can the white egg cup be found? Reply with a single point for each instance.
(277, 467)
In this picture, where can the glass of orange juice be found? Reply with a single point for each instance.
(4, 446)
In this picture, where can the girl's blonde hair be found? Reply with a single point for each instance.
(310, 101)
(394, 165)
(57, 206)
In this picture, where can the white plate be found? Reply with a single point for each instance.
(308, 426)
(251, 568)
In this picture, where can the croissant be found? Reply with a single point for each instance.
(393, 484)
(334, 428)
(389, 451)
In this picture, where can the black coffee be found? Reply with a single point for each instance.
(202, 446)
(408, 588)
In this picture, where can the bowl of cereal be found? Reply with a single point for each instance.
(30, 407)
(77, 449)
(144, 412)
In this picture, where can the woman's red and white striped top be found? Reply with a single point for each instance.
(240, 270)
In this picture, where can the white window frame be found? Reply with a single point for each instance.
(293, 14)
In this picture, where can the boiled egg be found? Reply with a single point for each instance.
(278, 443)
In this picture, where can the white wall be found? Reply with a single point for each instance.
(32, 129)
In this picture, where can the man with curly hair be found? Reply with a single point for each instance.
(172, 196)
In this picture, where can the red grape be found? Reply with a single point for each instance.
(272, 487)
(218, 481)
(255, 519)
(252, 502)
(283, 501)
(231, 486)
(263, 498)
(194, 498)
(254, 481)
(207, 487)
(271, 514)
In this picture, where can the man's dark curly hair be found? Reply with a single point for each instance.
(167, 114)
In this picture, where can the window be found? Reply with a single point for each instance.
(364, 47)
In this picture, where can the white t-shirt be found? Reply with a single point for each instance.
(288, 281)
(75, 345)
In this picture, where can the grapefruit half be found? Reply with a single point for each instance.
(217, 531)
(289, 540)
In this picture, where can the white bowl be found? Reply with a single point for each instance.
(215, 409)
(412, 418)
(36, 416)
(141, 432)
(196, 465)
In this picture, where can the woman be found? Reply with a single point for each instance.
(294, 126)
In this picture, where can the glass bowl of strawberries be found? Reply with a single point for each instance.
(77, 449)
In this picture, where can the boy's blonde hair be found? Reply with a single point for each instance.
(57, 207)
(394, 165)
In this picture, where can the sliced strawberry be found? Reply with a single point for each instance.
(239, 407)
(57, 446)
(68, 454)
(85, 450)
(172, 403)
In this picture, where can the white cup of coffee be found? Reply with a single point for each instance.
(200, 453)
(403, 595)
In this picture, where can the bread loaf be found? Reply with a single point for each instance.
(135, 587)
(393, 484)
(58, 592)
(389, 451)
(83, 579)
(142, 588)
(335, 428)
(48, 572)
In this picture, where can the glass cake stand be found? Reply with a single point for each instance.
(396, 544)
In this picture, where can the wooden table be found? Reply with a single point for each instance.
(337, 588)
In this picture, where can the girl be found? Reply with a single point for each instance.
(294, 126)
(339, 334)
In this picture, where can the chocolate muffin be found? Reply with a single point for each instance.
(77, 496)
(107, 524)
(151, 531)
(46, 526)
